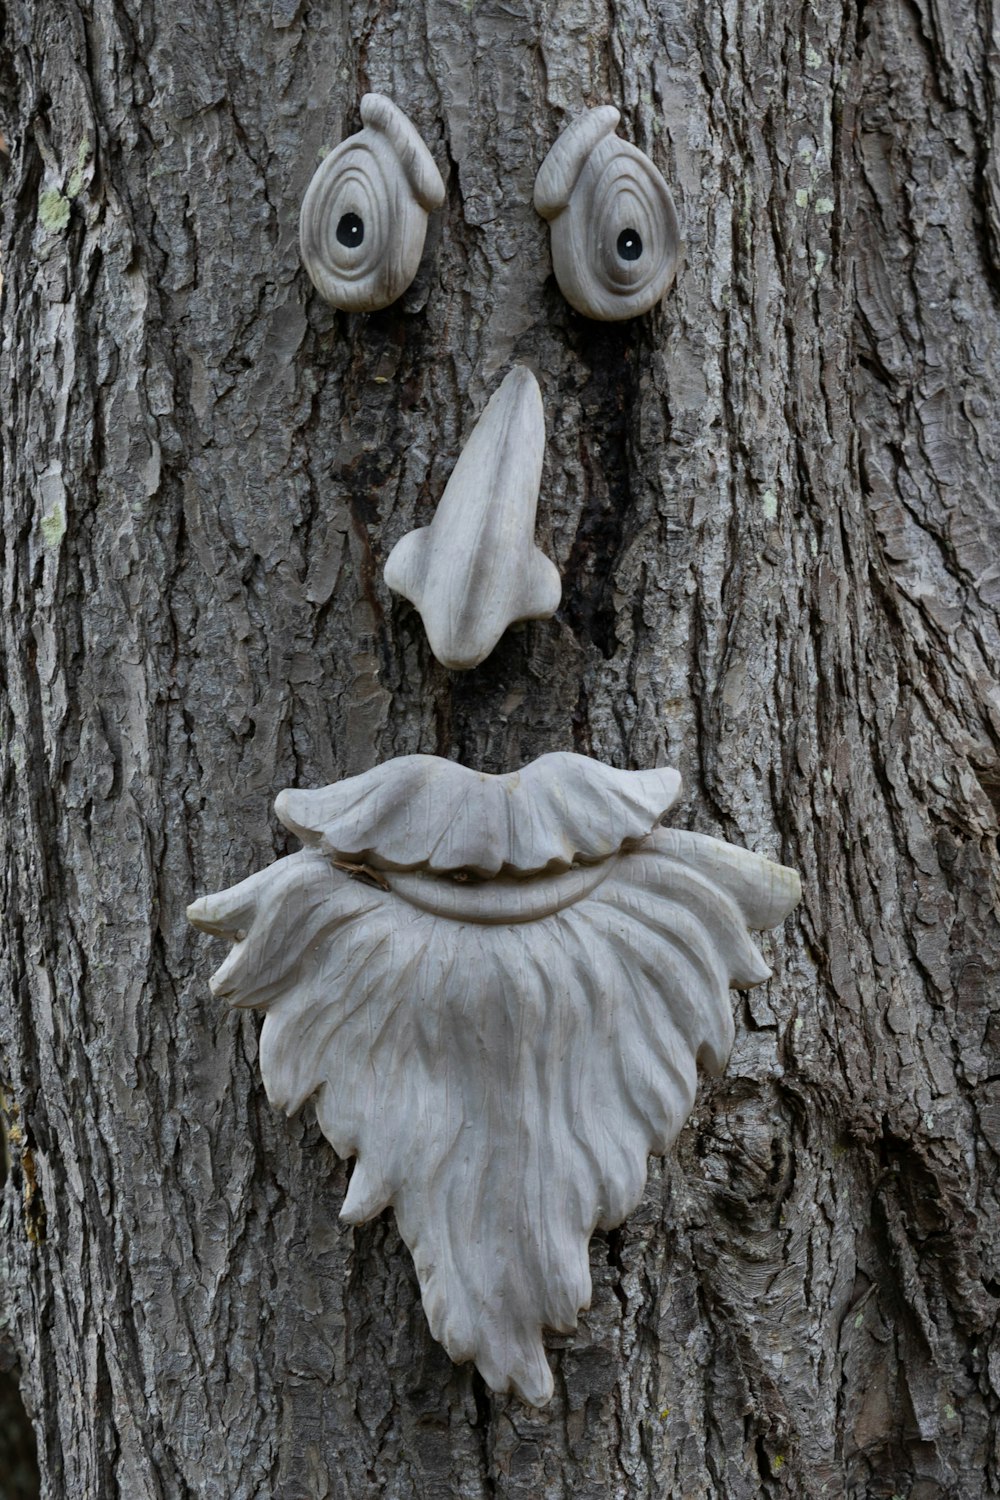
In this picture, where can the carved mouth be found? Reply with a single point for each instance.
(472, 847)
(500, 900)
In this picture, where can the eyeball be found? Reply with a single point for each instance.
(364, 215)
(615, 233)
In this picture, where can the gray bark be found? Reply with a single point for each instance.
(774, 507)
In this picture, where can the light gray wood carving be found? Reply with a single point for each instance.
(614, 229)
(364, 215)
(498, 989)
(475, 569)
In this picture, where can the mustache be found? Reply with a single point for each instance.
(424, 812)
(500, 1041)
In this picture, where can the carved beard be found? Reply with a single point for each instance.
(500, 1055)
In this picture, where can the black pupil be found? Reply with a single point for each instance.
(630, 244)
(350, 230)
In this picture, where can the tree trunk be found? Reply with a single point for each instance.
(774, 508)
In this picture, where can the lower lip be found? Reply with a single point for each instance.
(500, 900)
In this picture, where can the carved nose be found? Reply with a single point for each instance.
(475, 569)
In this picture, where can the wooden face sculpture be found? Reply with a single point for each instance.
(497, 989)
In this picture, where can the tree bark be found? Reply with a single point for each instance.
(773, 504)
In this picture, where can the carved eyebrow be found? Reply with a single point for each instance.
(557, 176)
(404, 137)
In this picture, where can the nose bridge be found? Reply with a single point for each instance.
(475, 569)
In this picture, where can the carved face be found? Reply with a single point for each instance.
(498, 988)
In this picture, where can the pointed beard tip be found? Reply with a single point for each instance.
(532, 1391)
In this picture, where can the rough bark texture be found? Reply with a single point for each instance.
(774, 506)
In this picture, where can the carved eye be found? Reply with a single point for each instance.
(364, 215)
(615, 234)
